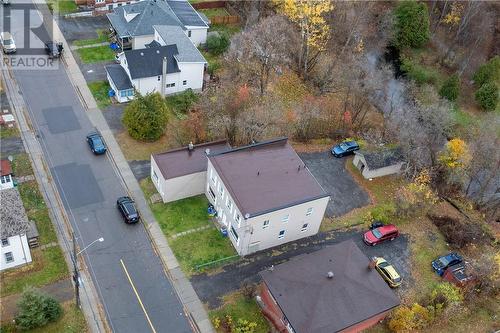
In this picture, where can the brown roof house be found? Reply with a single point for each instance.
(264, 195)
(331, 290)
(14, 226)
(182, 172)
(378, 163)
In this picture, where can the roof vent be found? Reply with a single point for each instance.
(207, 151)
(329, 275)
(158, 51)
(142, 53)
(247, 215)
(258, 172)
(191, 146)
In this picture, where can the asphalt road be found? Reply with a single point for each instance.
(89, 186)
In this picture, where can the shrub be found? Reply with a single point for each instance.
(415, 197)
(213, 67)
(182, 102)
(412, 24)
(450, 88)
(36, 310)
(458, 233)
(487, 96)
(488, 72)
(218, 44)
(417, 72)
(146, 117)
(406, 319)
(249, 290)
(446, 294)
(244, 326)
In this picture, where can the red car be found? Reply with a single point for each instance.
(380, 234)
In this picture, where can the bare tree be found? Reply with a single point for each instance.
(258, 49)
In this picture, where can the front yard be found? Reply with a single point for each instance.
(195, 247)
(100, 90)
(95, 54)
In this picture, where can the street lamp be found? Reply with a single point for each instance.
(76, 274)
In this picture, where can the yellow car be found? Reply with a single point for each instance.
(388, 272)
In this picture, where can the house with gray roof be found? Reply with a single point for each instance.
(379, 162)
(14, 226)
(264, 195)
(169, 64)
(133, 24)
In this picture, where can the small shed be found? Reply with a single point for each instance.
(6, 179)
(460, 275)
(378, 163)
(181, 173)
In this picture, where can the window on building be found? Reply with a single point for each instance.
(212, 175)
(281, 234)
(235, 234)
(123, 93)
(309, 211)
(9, 257)
(155, 176)
(170, 85)
(189, 33)
(211, 192)
(265, 224)
(159, 78)
(130, 92)
(229, 204)
(237, 218)
(304, 227)
(184, 82)
(285, 218)
(221, 190)
(5, 242)
(5, 179)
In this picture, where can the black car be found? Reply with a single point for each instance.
(127, 208)
(96, 143)
(376, 224)
(53, 49)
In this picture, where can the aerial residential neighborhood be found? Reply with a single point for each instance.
(290, 166)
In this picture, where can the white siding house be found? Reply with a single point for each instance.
(13, 228)
(264, 195)
(182, 173)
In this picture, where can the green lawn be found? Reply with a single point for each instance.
(200, 248)
(214, 12)
(99, 90)
(238, 307)
(21, 165)
(90, 55)
(9, 132)
(72, 321)
(48, 266)
(102, 36)
(62, 6)
(230, 29)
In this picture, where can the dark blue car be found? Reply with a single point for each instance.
(96, 143)
(442, 263)
(345, 148)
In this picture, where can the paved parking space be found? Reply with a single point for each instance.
(330, 172)
(81, 27)
(211, 287)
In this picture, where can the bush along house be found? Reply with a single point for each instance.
(169, 64)
(264, 195)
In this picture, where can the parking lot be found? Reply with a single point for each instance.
(332, 175)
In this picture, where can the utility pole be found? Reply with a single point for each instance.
(76, 275)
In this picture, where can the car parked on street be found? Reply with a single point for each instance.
(96, 143)
(388, 272)
(442, 263)
(380, 234)
(127, 208)
(53, 49)
(345, 148)
(7, 42)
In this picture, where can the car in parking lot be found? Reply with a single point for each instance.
(442, 263)
(345, 148)
(388, 272)
(96, 143)
(126, 206)
(380, 234)
(7, 42)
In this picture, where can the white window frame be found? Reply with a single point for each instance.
(309, 212)
(285, 218)
(5, 242)
(9, 257)
(305, 226)
(184, 83)
(237, 218)
(280, 235)
(265, 225)
(5, 179)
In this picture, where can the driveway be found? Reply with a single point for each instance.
(93, 72)
(210, 288)
(330, 172)
(81, 27)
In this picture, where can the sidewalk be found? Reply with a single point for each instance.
(192, 304)
(60, 290)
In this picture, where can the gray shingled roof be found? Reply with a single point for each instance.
(314, 303)
(186, 13)
(149, 62)
(175, 35)
(13, 218)
(152, 12)
(382, 158)
(119, 77)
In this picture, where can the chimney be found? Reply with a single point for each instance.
(164, 75)
(191, 146)
(329, 275)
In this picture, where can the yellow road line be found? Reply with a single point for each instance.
(137, 295)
